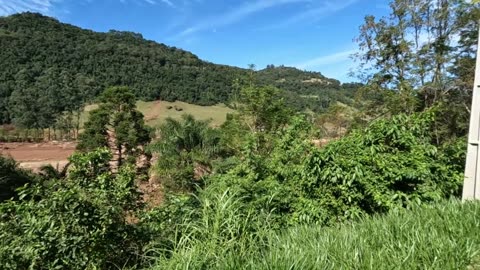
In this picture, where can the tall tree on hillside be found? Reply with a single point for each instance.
(116, 124)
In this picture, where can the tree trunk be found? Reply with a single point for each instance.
(119, 161)
(77, 125)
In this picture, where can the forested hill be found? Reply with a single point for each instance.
(307, 89)
(48, 67)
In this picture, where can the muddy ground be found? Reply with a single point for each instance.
(34, 155)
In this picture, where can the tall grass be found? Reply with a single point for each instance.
(222, 228)
(439, 236)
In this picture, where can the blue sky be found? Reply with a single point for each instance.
(309, 34)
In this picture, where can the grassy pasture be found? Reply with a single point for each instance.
(156, 112)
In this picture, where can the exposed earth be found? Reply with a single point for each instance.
(34, 155)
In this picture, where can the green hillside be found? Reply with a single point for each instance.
(40, 54)
(306, 89)
(49, 67)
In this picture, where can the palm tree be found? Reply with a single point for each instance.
(188, 135)
(185, 148)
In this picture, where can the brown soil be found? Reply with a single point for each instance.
(153, 113)
(34, 155)
(152, 194)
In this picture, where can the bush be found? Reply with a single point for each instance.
(11, 178)
(268, 164)
(392, 163)
(76, 223)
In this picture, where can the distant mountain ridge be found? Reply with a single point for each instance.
(72, 65)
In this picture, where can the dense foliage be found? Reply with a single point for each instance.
(278, 180)
(11, 178)
(50, 69)
(257, 192)
(391, 164)
(76, 223)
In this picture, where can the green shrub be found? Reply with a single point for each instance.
(11, 178)
(392, 163)
(76, 223)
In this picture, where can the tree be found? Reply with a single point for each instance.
(263, 107)
(463, 68)
(411, 49)
(185, 146)
(116, 124)
(95, 132)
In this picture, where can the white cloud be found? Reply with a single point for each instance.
(168, 2)
(326, 7)
(325, 60)
(188, 31)
(8, 7)
(236, 14)
(151, 2)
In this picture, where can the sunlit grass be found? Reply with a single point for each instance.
(440, 236)
(156, 112)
